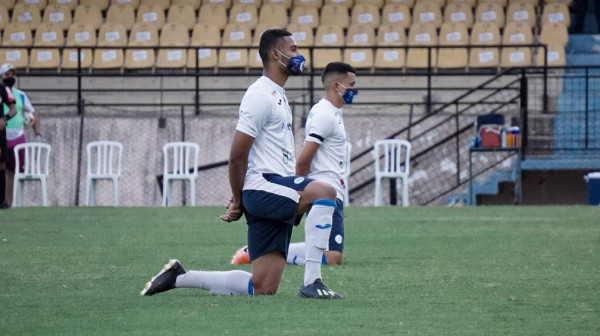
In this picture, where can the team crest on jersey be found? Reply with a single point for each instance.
(298, 180)
(287, 156)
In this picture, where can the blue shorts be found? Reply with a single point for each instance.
(336, 238)
(270, 208)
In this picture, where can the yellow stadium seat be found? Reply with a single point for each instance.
(164, 4)
(101, 4)
(254, 60)
(348, 3)
(554, 32)
(408, 3)
(422, 34)
(88, 14)
(459, 12)
(366, 14)
(255, 3)
(521, 12)
(79, 35)
(440, 3)
(27, 13)
(121, 13)
(244, 14)
(8, 4)
(4, 17)
(17, 34)
(173, 35)
(303, 34)
(233, 58)
(111, 34)
(335, 15)
(143, 34)
(470, 3)
(224, 3)
(194, 3)
(47, 35)
(490, 12)
(308, 16)
(453, 34)
(391, 35)
(482, 34)
(502, 3)
(41, 4)
(235, 35)
(515, 57)
(285, 3)
(565, 2)
(327, 35)
(555, 55)
(397, 14)
(207, 36)
(71, 4)
(556, 13)
(360, 35)
(388, 56)
(59, 14)
(214, 14)
(133, 3)
(182, 13)
(18, 57)
(517, 33)
(153, 14)
(427, 12)
(378, 3)
(534, 3)
(308, 3)
(275, 15)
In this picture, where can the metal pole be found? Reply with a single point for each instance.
(457, 147)
(197, 102)
(81, 108)
(587, 106)
(524, 114)
(79, 99)
(429, 108)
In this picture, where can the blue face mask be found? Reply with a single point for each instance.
(349, 95)
(295, 64)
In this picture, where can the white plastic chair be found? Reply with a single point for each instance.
(346, 175)
(392, 160)
(35, 167)
(103, 163)
(180, 163)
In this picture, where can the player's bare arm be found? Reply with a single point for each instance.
(238, 164)
(306, 156)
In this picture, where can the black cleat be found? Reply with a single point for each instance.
(165, 279)
(4, 205)
(318, 290)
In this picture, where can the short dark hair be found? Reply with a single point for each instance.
(268, 40)
(337, 68)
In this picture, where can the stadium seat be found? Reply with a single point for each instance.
(224, 3)
(71, 4)
(490, 12)
(378, 3)
(180, 163)
(482, 34)
(388, 55)
(17, 34)
(103, 163)
(566, 2)
(470, 3)
(18, 57)
(308, 3)
(47, 35)
(515, 57)
(142, 34)
(79, 35)
(4, 17)
(366, 14)
(41, 4)
(214, 14)
(254, 60)
(335, 15)
(121, 13)
(194, 3)
(275, 15)
(133, 3)
(182, 13)
(153, 14)
(421, 34)
(303, 34)
(27, 13)
(359, 39)
(101, 4)
(534, 3)
(308, 16)
(556, 13)
(554, 32)
(8, 4)
(348, 3)
(453, 34)
(397, 14)
(243, 14)
(88, 14)
(517, 33)
(392, 161)
(235, 35)
(521, 12)
(111, 34)
(58, 13)
(255, 3)
(327, 36)
(35, 168)
(285, 3)
(173, 35)
(555, 55)
(408, 3)
(459, 12)
(164, 4)
(427, 12)
(208, 36)
(502, 3)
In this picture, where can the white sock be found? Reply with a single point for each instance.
(218, 283)
(296, 254)
(317, 229)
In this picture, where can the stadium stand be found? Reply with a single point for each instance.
(101, 4)
(360, 35)
(173, 35)
(235, 35)
(308, 16)
(8, 4)
(71, 4)
(204, 35)
(79, 35)
(427, 12)
(366, 14)
(348, 3)
(422, 34)
(41, 4)
(490, 12)
(303, 34)
(59, 14)
(182, 13)
(389, 55)
(245, 14)
(521, 12)
(453, 34)
(4, 17)
(397, 14)
(214, 14)
(327, 36)
(47, 35)
(460, 12)
(556, 13)
(88, 14)
(111, 34)
(153, 14)
(164, 4)
(273, 14)
(142, 34)
(194, 3)
(335, 14)
(121, 13)
(378, 3)
(26, 13)
(484, 33)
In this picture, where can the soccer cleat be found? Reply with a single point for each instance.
(165, 279)
(318, 290)
(4, 205)
(241, 257)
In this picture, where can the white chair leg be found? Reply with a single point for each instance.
(116, 191)
(405, 192)
(165, 183)
(88, 189)
(192, 192)
(16, 182)
(44, 192)
(21, 192)
(377, 191)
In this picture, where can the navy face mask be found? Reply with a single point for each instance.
(295, 64)
(349, 94)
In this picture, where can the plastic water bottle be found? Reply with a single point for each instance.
(503, 137)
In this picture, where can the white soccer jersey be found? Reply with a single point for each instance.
(325, 126)
(265, 115)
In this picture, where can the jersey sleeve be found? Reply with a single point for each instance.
(320, 127)
(27, 107)
(254, 113)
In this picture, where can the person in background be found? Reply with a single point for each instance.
(8, 100)
(579, 9)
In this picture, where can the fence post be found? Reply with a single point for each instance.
(197, 98)
(524, 114)
(457, 146)
(81, 108)
(587, 106)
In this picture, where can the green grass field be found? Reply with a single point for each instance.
(407, 271)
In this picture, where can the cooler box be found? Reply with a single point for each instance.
(490, 135)
(593, 181)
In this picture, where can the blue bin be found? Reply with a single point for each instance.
(593, 181)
